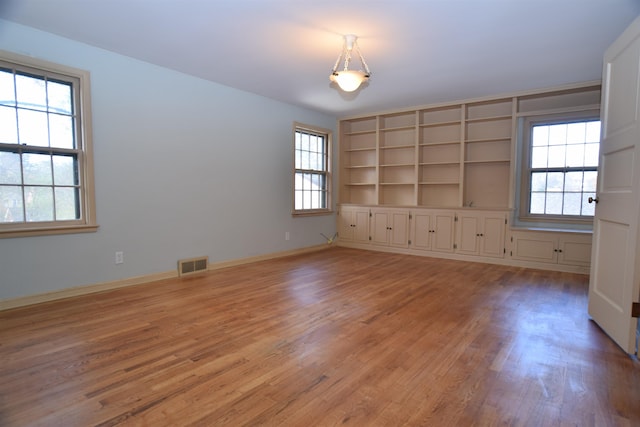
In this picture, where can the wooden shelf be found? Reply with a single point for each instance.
(396, 147)
(397, 165)
(361, 167)
(496, 139)
(429, 144)
(487, 161)
(438, 163)
(390, 129)
(360, 184)
(360, 132)
(355, 150)
(396, 183)
(439, 183)
(488, 118)
(431, 125)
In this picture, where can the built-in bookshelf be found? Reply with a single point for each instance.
(445, 156)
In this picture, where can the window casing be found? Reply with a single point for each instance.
(46, 167)
(559, 167)
(312, 170)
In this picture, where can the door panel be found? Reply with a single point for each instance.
(614, 282)
(493, 237)
(444, 232)
(421, 235)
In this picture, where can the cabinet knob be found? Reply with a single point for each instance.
(592, 200)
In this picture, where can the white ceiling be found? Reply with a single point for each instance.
(419, 51)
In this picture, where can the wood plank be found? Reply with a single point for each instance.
(325, 338)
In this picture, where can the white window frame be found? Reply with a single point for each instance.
(327, 135)
(81, 84)
(524, 176)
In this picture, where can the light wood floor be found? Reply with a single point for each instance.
(336, 337)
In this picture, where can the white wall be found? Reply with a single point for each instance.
(183, 167)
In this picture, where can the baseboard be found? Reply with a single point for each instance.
(132, 281)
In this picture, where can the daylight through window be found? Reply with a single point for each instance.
(311, 176)
(42, 157)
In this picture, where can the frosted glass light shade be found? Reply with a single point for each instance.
(349, 80)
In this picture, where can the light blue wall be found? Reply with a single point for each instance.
(183, 167)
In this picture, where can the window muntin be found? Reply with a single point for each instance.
(563, 168)
(311, 170)
(45, 164)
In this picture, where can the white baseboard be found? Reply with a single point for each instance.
(132, 281)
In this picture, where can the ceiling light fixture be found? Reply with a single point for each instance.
(349, 80)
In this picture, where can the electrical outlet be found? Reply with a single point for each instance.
(119, 257)
(286, 235)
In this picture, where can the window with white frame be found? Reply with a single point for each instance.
(46, 177)
(312, 172)
(560, 168)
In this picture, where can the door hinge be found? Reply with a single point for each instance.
(511, 239)
(635, 309)
(409, 241)
(504, 250)
(370, 214)
(510, 253)
(505, 221)
(410, 216)
(455, 246)
(369, 237)
(455, 219)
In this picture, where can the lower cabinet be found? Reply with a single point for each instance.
(390, 228)
(552, 247)
(482, 233)
(433, 230)
(353, 224)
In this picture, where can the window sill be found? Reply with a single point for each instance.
(47, 231)
(316, 212)
(551, 229)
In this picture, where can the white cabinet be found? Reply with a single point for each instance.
(353, 224)
(433, 230)
(390, 227)
(481, 233)
(552, 247)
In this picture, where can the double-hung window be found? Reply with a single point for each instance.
(560, 168)
(312, 171)
(46, 178)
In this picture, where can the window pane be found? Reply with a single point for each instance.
(558, 134)
(10, 168)
(64, 170)
(67, 204)
(591, 152)
(31, 92)
(572, 204)
(32, 128)
(59, 97)
(573, 182)
(298, 200)
(576, 133)
(540, 136)
(11, 204)
(593, 132)
(314, 162)
(554, 204)
(37, 169)
(557, 155)
(61, 131)
(590, 181)
(588, 208)
(575, 155)
(39, 203)
(8, 126)
(7, 89)
(555, 181)
(539, 157)
(538, 181)
(537, 203)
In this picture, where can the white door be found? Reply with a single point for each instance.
(615, 274)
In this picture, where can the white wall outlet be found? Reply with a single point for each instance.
(119, 257)
(286, 235)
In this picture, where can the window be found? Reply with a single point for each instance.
(560, 168)
(312, 173)
(46, 181)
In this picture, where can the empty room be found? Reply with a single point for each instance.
(296, 213)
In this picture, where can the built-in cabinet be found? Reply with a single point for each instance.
(551, 247)
(441, 180)
(482, 233)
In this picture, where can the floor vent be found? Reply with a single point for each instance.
(192, 265)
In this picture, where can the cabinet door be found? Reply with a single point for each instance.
(469, 235)
(574, 249)
(380, 228)
(538, 247)
(346, 224)
(399, 229)
(360, 220)
(443, 236)
(422, 231)
(492, 236)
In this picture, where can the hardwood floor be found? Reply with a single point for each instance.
(335, 337)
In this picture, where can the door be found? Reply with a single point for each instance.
(380, 232)
(469, 224)
(443, 232)
(399, 229)
(615, 283)
(492, 236)
(422, 231)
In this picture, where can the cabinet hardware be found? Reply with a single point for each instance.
(592, 200)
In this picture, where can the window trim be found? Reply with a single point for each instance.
(524, 175)
(82, 93)
(328, 134)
